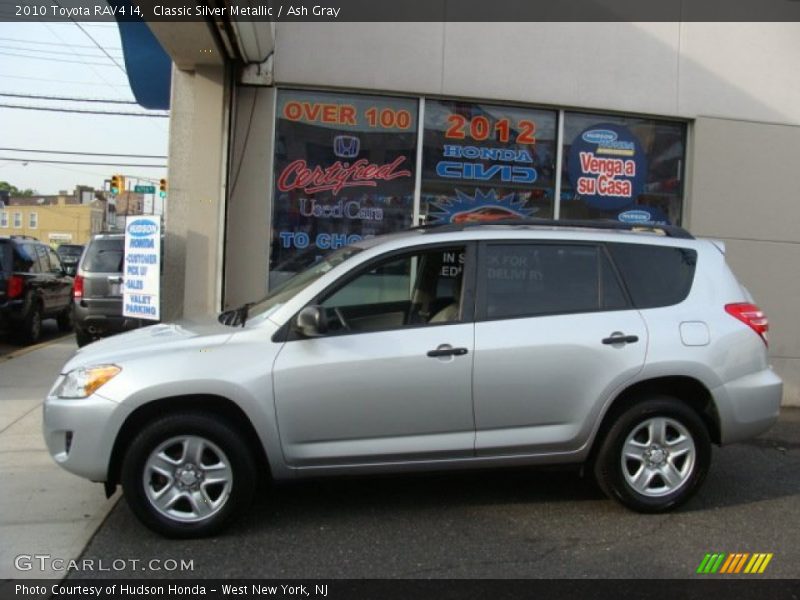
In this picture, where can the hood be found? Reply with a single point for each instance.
(160, 338)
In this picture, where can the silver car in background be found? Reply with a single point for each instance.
(628, 350)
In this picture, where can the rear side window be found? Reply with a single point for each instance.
(104, 256)
(526, 280)
(655, 275)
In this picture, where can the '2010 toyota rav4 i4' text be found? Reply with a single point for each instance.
(629, 351)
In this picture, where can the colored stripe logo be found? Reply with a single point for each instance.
(734, 563)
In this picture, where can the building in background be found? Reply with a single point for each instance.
(56, 219)
(295, 136)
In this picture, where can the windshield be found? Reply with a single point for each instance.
(294, 285)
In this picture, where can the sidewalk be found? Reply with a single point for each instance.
(43, 509)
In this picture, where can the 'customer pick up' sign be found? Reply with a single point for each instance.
(142, 274)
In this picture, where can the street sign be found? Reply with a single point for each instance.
(144, 189)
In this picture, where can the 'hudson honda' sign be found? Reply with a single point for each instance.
(142, 274)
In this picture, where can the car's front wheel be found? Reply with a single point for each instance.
(188, 474)
(655, 456)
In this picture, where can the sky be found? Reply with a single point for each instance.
(59, 59)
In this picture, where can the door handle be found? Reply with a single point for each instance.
(619, 338)
(447, 352)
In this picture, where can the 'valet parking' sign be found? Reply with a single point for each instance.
(142, 274)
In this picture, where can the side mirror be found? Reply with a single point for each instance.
(311, 321)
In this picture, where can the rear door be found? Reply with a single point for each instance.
(555, 335)
(62, 283)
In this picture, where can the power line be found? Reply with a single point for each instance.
(111, 58)
(61, 60)
(84, 112)
(41, 51)
(38, 43)
(73, 162)
(65, 98)
(82, 153)
(72, 81)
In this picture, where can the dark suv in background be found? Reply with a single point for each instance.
(33, 287)
(70, 254)
(98, 290)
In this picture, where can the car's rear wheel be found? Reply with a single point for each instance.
(188, 474)
(65, 320)
(30, 328)
(655, 456)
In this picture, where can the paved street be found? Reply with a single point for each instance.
(50, 332)
(499, 524)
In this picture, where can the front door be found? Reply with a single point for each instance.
(391, 380)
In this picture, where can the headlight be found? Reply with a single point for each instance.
(83, 382)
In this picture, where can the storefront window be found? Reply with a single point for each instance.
(623, 168)
(344, 170)
(483, 162)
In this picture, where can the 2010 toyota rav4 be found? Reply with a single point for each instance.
(461, 346)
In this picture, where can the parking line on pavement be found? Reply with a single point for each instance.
(23, 351)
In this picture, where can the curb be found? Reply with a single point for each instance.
(28, 349)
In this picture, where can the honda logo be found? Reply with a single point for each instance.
(346, 146)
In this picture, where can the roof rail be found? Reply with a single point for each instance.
(666, 230)
(24, 237)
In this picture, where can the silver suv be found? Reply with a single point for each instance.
(628, 350)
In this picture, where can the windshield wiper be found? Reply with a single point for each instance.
(236, 317)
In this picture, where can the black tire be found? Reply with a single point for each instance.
(220, 437)
(82, 337)
(30, 328)
(690, 469)
(65, 319)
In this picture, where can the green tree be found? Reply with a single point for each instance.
(14, 190)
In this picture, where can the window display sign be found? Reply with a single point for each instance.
(142, 268)
(484, 162)
(607, 166)
(344, 169)
(626, 168)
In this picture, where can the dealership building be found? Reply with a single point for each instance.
(289, 139)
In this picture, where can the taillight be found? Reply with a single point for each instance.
(752, 316)
(14, 286)
(77, 288)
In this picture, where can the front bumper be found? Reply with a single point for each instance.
(748, 406)
(80, 433)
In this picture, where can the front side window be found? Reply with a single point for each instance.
(55, 262)
(528, 280)
(414, 289)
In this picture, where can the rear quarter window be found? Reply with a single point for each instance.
(655, 275)
(26, 259)
(104, 256)
(6, 254)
